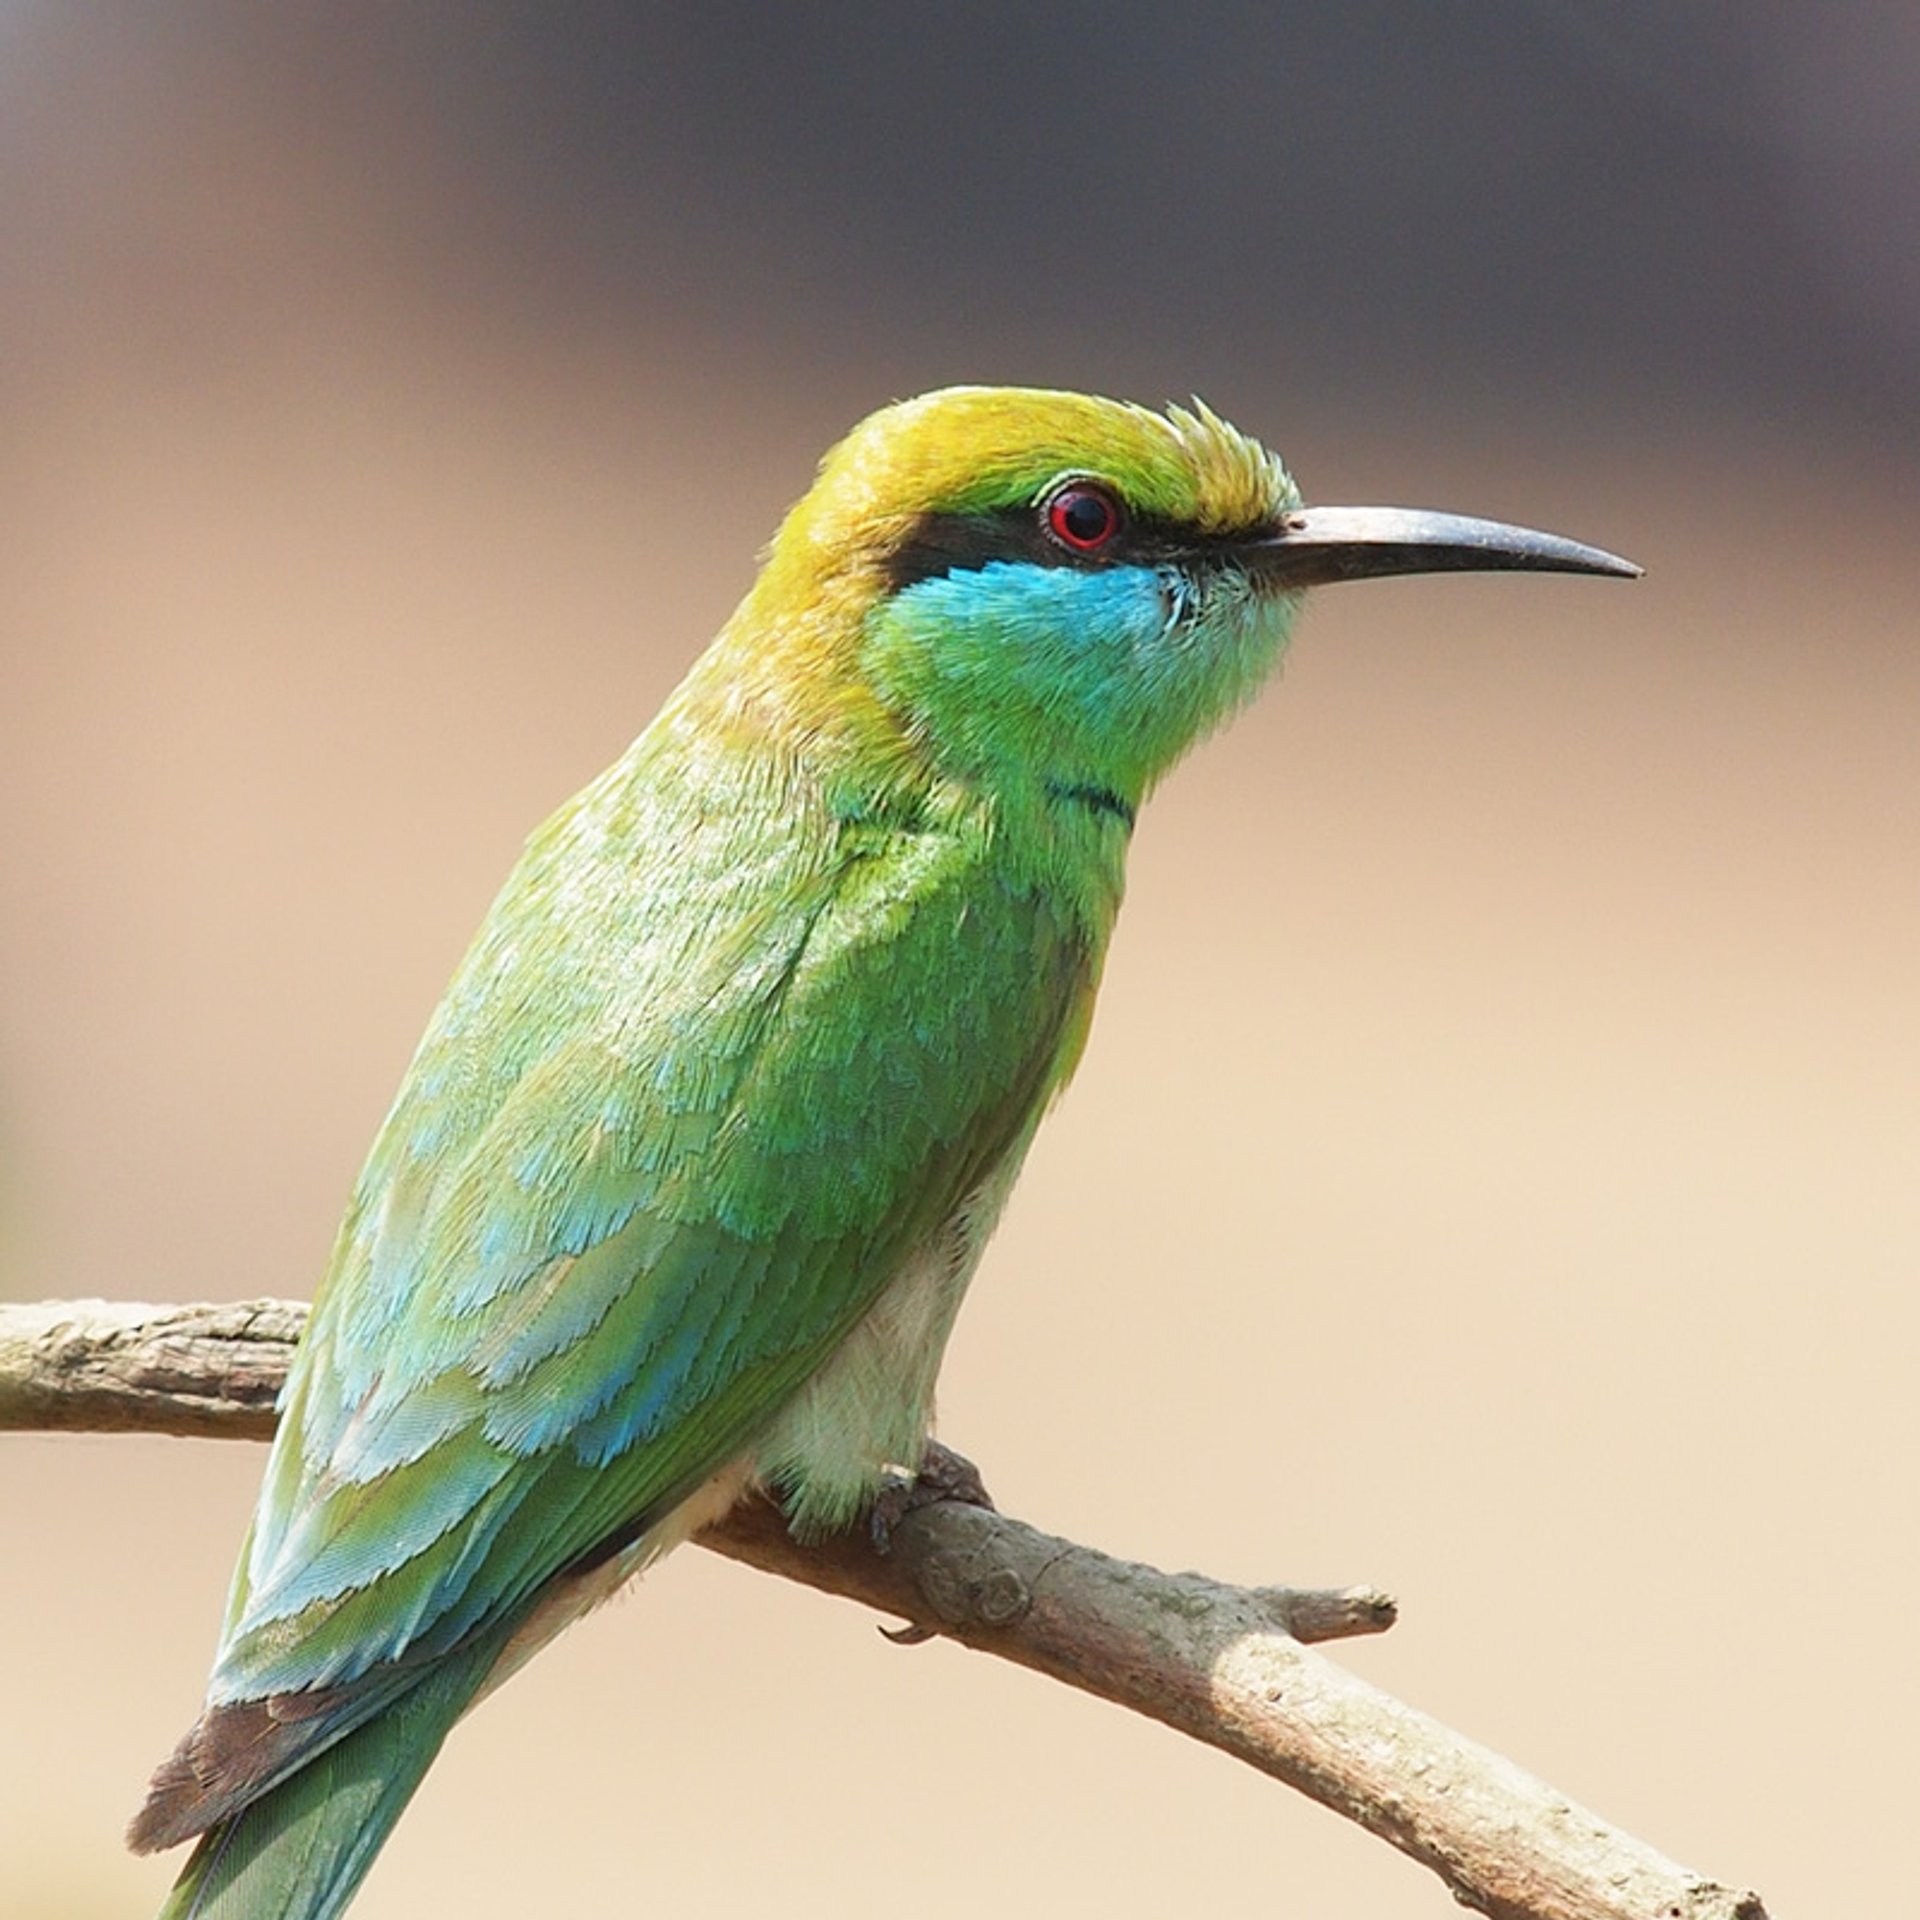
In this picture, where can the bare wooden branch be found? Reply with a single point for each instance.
(112, 1366)
(1226, 1665)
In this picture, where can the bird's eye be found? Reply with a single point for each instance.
(1083, 518)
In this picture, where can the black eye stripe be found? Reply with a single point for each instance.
(942, 543)
(938, 544)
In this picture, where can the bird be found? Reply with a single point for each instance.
(682, 1189)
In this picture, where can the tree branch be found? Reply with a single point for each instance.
(1227, 1665)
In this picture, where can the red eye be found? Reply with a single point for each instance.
(1082, 517)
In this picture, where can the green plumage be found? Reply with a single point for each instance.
(685, 1182)
(304, 1848)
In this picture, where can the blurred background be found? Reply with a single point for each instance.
(1494, 1172)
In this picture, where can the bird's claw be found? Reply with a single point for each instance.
(943, 1475)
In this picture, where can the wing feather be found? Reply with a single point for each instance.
(700, 1088)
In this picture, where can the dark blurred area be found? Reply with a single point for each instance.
(1494, 1173)
(1611, 208)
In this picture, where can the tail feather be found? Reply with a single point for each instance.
(300, 1850)
(239, 1751)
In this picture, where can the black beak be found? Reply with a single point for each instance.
(1318, 544)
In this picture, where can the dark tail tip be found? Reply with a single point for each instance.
(232, 1754)
(172, 1811)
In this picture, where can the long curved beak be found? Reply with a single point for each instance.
(1315, 545)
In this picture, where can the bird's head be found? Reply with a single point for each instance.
(1050, 591)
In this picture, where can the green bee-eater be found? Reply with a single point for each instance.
(687, 1178)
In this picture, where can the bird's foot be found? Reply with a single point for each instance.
(943, 1475)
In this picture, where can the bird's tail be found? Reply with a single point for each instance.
(302, 1848)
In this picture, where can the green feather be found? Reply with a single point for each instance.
(690, 1170)
(301, 1850)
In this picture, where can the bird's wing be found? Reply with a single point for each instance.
(624, 1204)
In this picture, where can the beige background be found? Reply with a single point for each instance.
(1493, 1175)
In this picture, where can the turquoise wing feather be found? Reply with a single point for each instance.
(698, 1090)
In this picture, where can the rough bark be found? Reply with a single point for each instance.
(1227, 1665)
